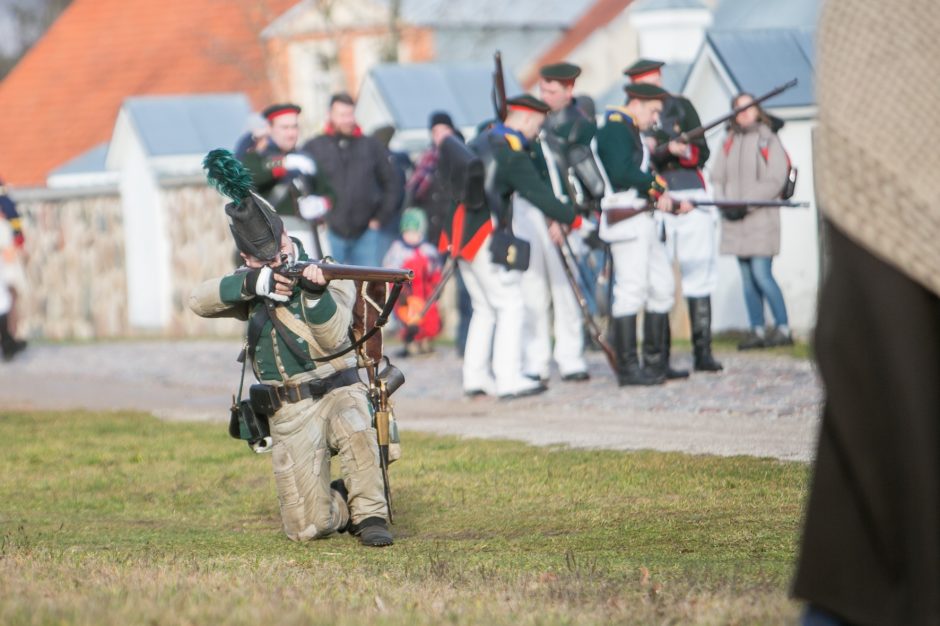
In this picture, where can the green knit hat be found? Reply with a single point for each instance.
(414, 218)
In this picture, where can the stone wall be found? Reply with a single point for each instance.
(202, 248)
(76, 283)
(74, 266)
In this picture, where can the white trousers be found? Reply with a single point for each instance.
(642, 273)
(550, 304)
(692, 239)
(492, 359)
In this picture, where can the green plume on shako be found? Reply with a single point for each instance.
(255, 225)
(227, 174)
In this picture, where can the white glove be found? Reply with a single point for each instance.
(312, 207)
(299, 163)
(264, 286)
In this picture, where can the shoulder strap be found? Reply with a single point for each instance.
(251, 341)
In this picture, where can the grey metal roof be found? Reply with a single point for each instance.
(411, 92)
(747, 14)
(446, 14)
(641, 6)
(520, 13)
(759, 60)
(182, 125)
(87, 162)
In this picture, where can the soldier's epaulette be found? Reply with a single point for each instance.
(617, 114)
(514, 142)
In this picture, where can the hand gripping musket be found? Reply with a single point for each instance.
(698, 132)
(615, 215)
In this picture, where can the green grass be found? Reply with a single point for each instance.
(123, 519)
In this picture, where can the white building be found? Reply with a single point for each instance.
(157, 141)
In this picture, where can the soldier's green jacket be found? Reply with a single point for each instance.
(327, 317)
(678, 116)
(271, 180)
(620, 149)
(514, 171)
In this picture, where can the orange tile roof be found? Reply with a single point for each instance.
(63, 97)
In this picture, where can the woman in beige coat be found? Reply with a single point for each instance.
(752, 165)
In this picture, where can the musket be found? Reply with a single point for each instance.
(699, 131)
(499, 88)
(382, 412)
(757, 204)
(615, 215)
(336, 271)
(585, 310)
(572, 281)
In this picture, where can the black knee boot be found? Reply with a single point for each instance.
(623, 338)
(671, 374)
(9, 346)
(655, 361)
(700, 313)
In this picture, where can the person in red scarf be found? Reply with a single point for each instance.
(367, 191)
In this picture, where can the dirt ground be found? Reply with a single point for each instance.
(761, 405)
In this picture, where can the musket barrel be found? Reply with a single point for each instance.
(336, 271)
(695, 133)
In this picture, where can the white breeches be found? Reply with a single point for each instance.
(550, 304)
(642, 273)
(692, 239)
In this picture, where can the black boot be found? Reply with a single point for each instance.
(373, 532)
(655, 354)
(700, 314)
(623, 338)
(9, 345)
(671, 374)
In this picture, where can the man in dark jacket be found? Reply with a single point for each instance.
(364, 181)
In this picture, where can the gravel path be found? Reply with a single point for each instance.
(762, 405)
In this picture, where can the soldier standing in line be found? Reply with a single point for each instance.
(281, 171)
(545, 285)
(642, 273)
(692, 238)
(320, 409)
(493, 357)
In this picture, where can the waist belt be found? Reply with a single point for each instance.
(267, 399)
(316, 388)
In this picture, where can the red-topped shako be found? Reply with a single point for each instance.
(527, 102)
(564, 73)
(643, 68)
(276, 110)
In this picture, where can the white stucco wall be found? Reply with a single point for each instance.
(145, 232)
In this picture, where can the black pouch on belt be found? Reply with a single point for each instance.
(264, 399)
(509, 251)
(246, 424)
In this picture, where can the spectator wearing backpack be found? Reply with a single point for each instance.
(752, 165)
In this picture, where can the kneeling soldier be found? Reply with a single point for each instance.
(316, 411)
